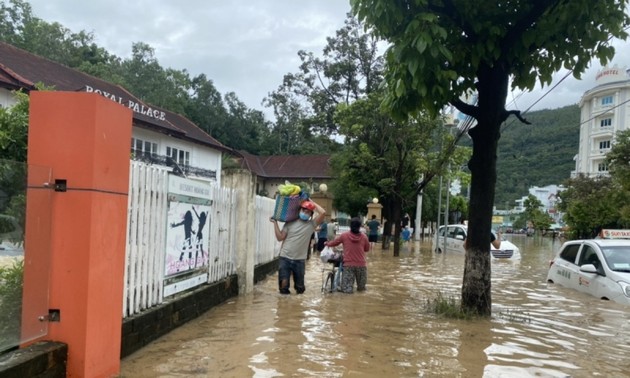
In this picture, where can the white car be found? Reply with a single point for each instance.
(453, 237)
(598, 267)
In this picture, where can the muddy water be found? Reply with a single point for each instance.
(536, 329)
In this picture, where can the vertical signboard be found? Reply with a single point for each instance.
(188, 229)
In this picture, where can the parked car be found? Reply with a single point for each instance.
(456, 234)
(598, 267)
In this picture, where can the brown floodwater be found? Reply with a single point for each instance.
(536, 330)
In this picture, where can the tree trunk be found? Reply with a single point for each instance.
(492, 92)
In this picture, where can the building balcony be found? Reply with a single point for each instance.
(167, 161)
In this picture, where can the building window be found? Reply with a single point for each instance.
(608, 100)
(604, 145)
(605, 122)
(181, 157)
(602, 167)
(143, 148)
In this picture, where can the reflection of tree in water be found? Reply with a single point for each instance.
(475, 337)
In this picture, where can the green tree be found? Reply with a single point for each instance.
(350, 68)
(533, 213)
(590, 204)
(147, 79)
(618, 159)
(441, 50)
(244, 128)
(382, 157)
(11, 285)
(14, 129)
(19, 27)
(289, 127)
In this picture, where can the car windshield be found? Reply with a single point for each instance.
(617, 258)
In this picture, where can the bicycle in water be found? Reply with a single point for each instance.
(331, 277)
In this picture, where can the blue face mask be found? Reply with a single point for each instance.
(304, 216)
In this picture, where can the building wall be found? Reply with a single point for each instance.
(6, 98)
(604, 110)
(200, 156)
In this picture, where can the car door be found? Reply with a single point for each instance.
(564, 269)
(438, 241)
(458, 239)
(594, 284)
(450, 235)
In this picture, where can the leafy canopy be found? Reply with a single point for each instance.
(439, 46)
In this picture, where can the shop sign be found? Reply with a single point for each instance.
(134, 106)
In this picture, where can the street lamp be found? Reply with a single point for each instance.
(374, 200)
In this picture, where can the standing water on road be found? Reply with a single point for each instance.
(536, 329)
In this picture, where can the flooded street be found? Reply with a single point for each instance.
(536, 329)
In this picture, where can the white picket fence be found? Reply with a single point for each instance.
(267, 247)
(146, 219)
(146, 241)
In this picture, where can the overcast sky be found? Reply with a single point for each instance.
(243, 46)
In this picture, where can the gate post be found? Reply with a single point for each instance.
(244, 183)
(85, 139)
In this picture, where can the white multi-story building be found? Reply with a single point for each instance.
(547, 195)
(605, 110)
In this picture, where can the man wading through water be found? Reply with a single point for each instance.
(295, 237)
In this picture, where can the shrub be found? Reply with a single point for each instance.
(11, 282)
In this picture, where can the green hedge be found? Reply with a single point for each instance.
(11, 282)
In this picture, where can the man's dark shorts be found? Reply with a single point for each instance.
(373, 238)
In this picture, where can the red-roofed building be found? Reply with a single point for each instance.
(272, 171)
(158, 135)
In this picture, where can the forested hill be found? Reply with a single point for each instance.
(539, 154)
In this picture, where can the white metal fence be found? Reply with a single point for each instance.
(146, 241)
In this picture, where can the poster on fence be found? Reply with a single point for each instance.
(188, 229)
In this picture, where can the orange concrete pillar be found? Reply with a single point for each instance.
(85, 139)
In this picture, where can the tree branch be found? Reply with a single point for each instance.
(517, 114)
(465, 108)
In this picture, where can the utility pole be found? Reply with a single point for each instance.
(418, 230)
(448, 194)
(439, 209)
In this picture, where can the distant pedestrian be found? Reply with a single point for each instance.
(373, 228)
(332, 229)
(322, 235)
(405, 220)
(406, 234)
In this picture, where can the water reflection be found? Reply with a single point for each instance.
(536, 329)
